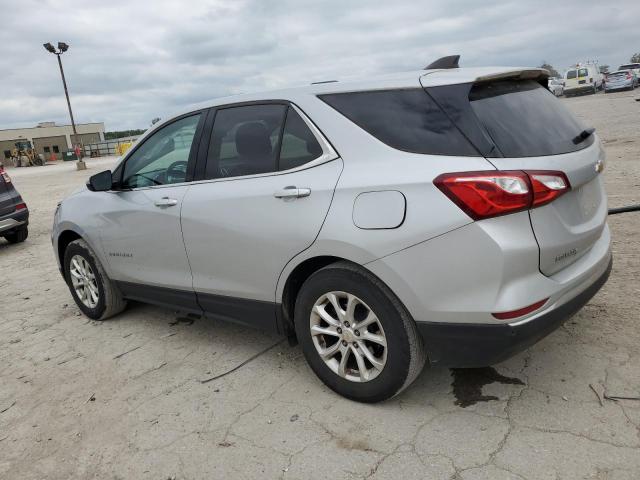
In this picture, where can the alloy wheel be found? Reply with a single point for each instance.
(348, 336)
(84, 281)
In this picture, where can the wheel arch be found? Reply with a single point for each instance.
(291, 287)
(64, 239)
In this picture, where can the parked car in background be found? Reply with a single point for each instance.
(556, 86)
(635, 67)
(620, 80)
(583, 78)
(455, 216)
(14, 214)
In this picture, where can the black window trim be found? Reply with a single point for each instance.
(329, 152)
(191, 162)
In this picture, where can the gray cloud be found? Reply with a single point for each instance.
(130, 61)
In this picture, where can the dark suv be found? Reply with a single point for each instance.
(14, 215)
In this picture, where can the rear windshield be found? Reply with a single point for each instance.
(408, 120)
(525, 120)
(571, 74)
(631, 66)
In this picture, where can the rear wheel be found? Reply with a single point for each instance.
(91, 289)
(17, 236)
(356, 335)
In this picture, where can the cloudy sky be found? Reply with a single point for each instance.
(133, 60)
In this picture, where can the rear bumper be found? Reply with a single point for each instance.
(618, 86)
(479, 345)
(14, 221)
(580, 89)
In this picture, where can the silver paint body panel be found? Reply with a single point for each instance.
(232, 237)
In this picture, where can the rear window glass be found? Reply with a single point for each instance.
(631, 66)
(525, 120)
(407, 120)
(571, 74)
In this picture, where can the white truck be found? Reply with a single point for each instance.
(583, 78)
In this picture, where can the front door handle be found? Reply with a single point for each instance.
(166, 202)
(292, 192)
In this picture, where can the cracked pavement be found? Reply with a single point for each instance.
(73, 406)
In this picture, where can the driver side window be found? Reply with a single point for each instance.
(162, 159)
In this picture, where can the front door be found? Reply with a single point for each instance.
(265, 195)
(141, 232)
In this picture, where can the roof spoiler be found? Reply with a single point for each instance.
(539, 74)
(450, 61)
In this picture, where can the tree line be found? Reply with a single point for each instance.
(123, 133)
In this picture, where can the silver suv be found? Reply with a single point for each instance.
(454, 216)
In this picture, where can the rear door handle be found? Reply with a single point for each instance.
(166, 202)
(292, 192)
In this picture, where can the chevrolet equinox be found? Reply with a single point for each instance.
(453, 216)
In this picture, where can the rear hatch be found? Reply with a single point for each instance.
(519, 125)
(618, 78)
(7, 200)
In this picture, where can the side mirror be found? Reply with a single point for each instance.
(100, 182)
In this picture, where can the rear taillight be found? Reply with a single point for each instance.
(493, 193)
(547, 186)
(21, 206)
(5, 175)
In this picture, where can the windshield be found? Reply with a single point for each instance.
(583, 72)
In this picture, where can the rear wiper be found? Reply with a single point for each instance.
(583, 135)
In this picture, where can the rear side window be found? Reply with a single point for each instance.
(407, 120)
(524, 120)
(299, 145)
(245, 141)
(571, 74)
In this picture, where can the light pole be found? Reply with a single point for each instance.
(63, 47)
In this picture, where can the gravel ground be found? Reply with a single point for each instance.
(75, 404)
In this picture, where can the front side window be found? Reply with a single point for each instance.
(162, 159)
(571, 74)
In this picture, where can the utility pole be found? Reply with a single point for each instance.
(63, 47)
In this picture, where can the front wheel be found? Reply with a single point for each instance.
(91, 289)
(356, 335)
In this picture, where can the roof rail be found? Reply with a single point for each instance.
(323, 81)
(450, 61)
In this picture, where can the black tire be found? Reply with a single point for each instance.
(405, 356)
(110, 301)
(17, 236)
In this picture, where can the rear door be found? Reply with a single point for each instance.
(571, 79)
(266, 190)
(533, 131)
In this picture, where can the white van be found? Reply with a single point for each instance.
(583, 78)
